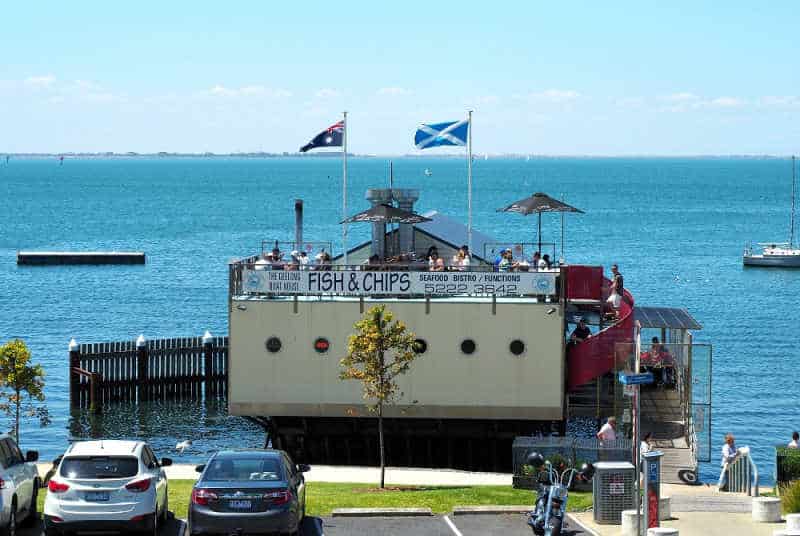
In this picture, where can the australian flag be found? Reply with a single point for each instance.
(330, 137)
(437, 134)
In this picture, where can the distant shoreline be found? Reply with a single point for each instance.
(132, 155)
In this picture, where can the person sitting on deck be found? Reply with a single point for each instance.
(294, 261)
(544, 263)
(536, 260)
(795, 442)
(435, 262)
(507, 261)
(277, 259)
(323, 261)
(460, 260)
(303, 260)
(660, 360)
(264, 263)
(580, 333)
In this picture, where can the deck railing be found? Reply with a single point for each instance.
(251, 277)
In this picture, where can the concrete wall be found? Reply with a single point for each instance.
(443, 382)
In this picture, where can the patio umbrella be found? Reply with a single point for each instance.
(386, 214)
(538, 203)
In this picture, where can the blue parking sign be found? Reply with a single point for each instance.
(653, 472)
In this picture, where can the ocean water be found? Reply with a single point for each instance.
(675, 226)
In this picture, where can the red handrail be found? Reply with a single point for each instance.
(599, 354)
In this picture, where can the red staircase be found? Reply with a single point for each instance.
(600, 353)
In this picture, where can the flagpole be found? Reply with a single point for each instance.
(344, 186)
(469, 183)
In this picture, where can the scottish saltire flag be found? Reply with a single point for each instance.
(330, 137)
(437, 134)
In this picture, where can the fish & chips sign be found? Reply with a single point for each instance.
(369, 283)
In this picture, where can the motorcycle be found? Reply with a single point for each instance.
(548, 513)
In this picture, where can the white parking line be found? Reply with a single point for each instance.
(452, 526)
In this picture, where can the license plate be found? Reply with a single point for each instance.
(241, 505)
(97, 496)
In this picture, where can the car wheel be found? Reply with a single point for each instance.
(33, 511)
(11, 528)
(164, 508)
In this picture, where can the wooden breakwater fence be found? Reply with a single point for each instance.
(189, 368)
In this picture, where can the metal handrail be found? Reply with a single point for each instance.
(743, 476)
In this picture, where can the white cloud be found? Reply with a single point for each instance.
(44, 81)
(483, 99)
(326, 93)
(556, 95)
(248, 91)
(727, 102)
(393, 91)
(681, 97)
(629, 102)
(779, 101)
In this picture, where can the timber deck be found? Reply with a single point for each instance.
(662, 415)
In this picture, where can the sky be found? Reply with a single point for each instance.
(557, 78)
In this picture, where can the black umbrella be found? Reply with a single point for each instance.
(386, 214)
(538, 203)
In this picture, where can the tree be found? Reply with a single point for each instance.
(21, 385)
(378, 352)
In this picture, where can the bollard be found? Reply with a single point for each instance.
(664, 509)
(142, 387)
(74, 380)
(662, 531)
(208, 361)
(629, 523)
(766, 510)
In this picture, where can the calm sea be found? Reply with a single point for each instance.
(675, 226)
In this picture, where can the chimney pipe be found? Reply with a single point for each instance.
(298, 224)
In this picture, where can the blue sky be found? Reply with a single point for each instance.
(542, 77)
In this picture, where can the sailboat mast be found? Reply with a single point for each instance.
(791, 230)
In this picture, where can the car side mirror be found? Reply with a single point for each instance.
(303, 468)
(32, 456)
(200, 468)
(166, 462)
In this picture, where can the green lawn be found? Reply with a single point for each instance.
(322, 497)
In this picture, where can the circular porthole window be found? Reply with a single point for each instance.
(517, 347)
(322, 345)
(273, 345)
(420, 346)
(468, 346)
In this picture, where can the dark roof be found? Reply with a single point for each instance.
(665, 317)
(447, 230)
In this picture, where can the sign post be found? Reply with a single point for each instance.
(637, 380)
(652, 488)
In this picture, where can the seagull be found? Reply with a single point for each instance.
(183, 445)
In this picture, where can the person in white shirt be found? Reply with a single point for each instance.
(647, 444)
(608, 432)
(729, 455)
(795, 442)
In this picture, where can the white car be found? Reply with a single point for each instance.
(19, 485)
(107, 486)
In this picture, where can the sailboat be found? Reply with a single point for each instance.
(779, 255)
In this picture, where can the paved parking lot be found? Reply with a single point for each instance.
(469, 525)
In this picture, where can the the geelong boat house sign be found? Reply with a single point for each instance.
(373, 283)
